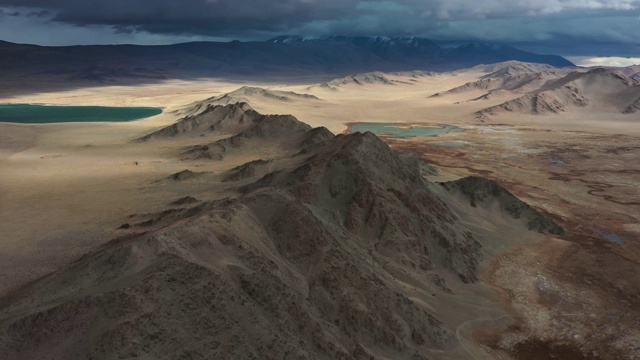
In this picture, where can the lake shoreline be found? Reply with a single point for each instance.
(30, 114)
(402, 130)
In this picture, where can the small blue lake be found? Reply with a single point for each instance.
(44, 114)
(399, 130)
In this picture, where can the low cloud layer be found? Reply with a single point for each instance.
(575, 26)
(606, 61)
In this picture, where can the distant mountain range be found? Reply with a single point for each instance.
(598, 88)
(286, 56)
(501, 88)
(540, 89)
(424, 53)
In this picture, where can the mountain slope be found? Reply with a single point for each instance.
(248, 94)
(478, 191)
(508, 77)
(280, 133)
(339, 251)
(358, 79)
(245, 94)
(217, 119)
(511, 68)
(598, 88)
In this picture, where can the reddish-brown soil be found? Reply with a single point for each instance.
(570, 298)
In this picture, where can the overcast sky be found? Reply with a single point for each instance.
(587, 28)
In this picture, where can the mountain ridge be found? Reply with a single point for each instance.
(599, 86)
(287, 57)
(344, 251)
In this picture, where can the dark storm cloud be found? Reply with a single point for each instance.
(216, 16)
(528, 22)
(39, 14)
(204, 17)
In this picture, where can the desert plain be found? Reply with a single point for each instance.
(68, 189)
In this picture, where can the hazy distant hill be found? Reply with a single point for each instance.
(289, 56)
(424, 51)
(511, 76)
(595, 89)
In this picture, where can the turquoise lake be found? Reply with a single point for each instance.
(399, 130)
(43, 114)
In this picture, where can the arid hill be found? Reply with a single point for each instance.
(377, 77)
(599, 89)
(358, 79)
(245, 94)
(217, 119)
(339, 248)
(284, 132)
(520, 83)
(479, 190)
(510, 68)
(509, 77)
(242, 130)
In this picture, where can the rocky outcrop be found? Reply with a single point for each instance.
(284, 131)
(216, 119)
(479, 190)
